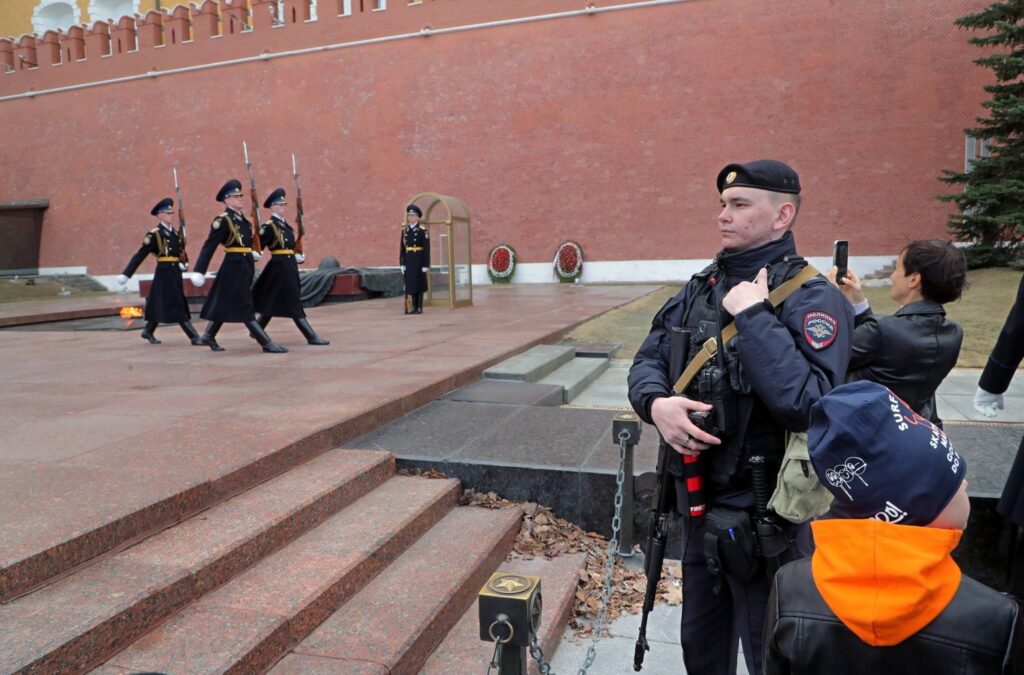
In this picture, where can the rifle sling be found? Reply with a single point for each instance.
(710, 347)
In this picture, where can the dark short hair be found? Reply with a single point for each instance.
(942, 266)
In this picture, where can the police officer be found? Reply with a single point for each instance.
(276, 292)
(230, 298)
(166, 301)
(780, 363)
(414, 259)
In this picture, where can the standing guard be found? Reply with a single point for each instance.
(230, 298)
(277, 290)
(166, 301)
(414, 259)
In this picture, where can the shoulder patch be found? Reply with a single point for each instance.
(820, 329)
(216, 222)
(149, 237)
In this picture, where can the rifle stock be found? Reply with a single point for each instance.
(299, 221)
(662, 518)
(256, 221)
(182, 230)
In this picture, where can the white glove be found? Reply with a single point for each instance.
(424, 269)
(197, 279)
(256, 255)
(987, 403)
(122, 280)
(403, 269)
(183, 267)
(299, 258)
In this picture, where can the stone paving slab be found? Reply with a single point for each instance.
(515, 393)
(40, 311)
(65, 480)
(576, 375)
(532, 365)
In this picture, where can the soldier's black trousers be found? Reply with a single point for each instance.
(713, 624)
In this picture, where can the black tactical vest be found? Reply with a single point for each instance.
(756, 432)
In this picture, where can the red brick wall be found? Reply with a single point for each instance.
(607, 129)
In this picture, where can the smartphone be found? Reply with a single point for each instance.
(841, 259)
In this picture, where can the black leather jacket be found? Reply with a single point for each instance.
(978, 632)
(910, 352)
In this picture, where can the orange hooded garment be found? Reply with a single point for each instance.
(885, 582)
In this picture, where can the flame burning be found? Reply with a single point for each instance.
(131, 312)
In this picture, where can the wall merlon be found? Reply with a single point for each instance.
(25, 53)
(296, 11)
(72, 44)
(48, 49)
(123, 36)
(97, 40)
(234, 16)
(178, 26)
(7, 54)
(151, 30)
(264, 14)
(205, 22)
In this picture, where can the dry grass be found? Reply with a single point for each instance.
(981, 312)
(45, 288)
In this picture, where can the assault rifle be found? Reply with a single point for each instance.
(299, 222)
(256, 221)
(182, 232)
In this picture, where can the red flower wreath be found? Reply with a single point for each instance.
(569, 262)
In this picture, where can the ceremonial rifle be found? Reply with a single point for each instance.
(256, 222)
(299, 222)
(182, 232)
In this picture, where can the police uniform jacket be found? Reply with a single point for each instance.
(230, 297)
(414, 254)
(166, 301)
(910, 352)
(276, 292)
(785, 360)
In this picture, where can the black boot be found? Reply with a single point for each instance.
(208, 338)
(419, 303)
(308, 332)
(147, 332)
(190, 331)
(263, 320)
(264, 339)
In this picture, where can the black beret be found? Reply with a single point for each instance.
(165, 205)
(763, 174)
(231, 188)
(412, 208)
(276, 197)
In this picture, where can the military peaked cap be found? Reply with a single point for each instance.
(165, 205)
(763, 174)
(231, 188)
(412, 208)
(276, 197)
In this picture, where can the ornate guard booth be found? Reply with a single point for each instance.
(450, 282)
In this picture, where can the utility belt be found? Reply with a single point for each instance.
(282, 251)
(742, 545)
(237, 249)
(168, 258)
(413, 249)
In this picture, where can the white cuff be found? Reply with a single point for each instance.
(860, 308)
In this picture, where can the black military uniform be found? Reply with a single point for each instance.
(230, 298)
(166, 301)
(414, 257)
(779, 364)
(276, 292)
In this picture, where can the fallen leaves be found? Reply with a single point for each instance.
(543, 534)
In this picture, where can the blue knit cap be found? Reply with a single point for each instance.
(879, 458)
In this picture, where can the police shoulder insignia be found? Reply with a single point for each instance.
(820, 329)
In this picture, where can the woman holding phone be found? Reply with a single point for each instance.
(913, 350)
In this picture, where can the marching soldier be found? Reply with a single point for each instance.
(277, 290)
(230, 298)
(414, 259)
(166, 301)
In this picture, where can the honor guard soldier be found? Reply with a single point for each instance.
(414, 259)
(276, 292)
(166, 301)
(230, 298)
(736, 413)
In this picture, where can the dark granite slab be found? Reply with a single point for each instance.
(507, 391)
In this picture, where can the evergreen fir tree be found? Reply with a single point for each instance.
(992, 202)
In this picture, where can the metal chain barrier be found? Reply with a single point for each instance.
(609, 570)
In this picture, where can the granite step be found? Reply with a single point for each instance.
(533, 364)
(576, 375)
(396, 622)
(248, 624)
(464, 652)
(82, 619)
